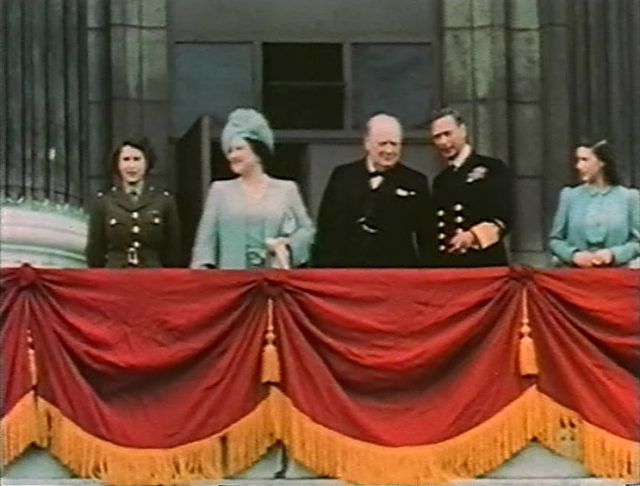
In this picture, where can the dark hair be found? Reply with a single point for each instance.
(602, 149)
(262, 152)
(142, 145)
(447, 111)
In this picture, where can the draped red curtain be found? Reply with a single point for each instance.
(158, 376)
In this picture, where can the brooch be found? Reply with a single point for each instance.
(477, 173)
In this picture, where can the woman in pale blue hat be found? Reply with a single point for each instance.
(253, 220)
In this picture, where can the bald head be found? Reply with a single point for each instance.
(383, 141)
(382, 121)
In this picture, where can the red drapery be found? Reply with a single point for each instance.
(154, 376)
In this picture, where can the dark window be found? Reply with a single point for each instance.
(303, 86)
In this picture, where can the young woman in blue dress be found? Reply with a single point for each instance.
(597, 223)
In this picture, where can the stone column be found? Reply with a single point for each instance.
(44, 139)
(526, 142)
(491, 53)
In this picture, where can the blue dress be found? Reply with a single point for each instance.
(590, 219)
(233, 229)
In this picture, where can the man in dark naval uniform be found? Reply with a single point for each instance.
(133, 225)
(472, 198)
(375, 211)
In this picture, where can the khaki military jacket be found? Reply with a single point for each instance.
(124, 232)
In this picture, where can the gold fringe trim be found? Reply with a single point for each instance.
(325, 451)
(91, 457)
(467, 455)
(604, 454)
(477, 451)
(19, 428)
(270, 358)
(527, 352)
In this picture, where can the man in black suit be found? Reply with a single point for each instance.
(472, 198)
(375, 212)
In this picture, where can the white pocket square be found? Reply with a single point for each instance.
(402, 192)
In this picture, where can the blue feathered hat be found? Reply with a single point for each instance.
(246, 123)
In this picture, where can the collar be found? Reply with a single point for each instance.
(595, 191)
(370, 168)
(461, 158)
(138, 187)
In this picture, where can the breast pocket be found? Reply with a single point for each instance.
(116, 230)
(153, 225)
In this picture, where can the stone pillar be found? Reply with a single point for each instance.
(526, 141)
(491, 53)
(475, 69)
(44, 133)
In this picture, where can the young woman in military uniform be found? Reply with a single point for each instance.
(133, 225)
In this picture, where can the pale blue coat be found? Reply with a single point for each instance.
(221, 239)
(591, 219)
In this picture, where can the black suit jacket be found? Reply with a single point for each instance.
(479, 190)
(390, 226)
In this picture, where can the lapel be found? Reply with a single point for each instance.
(390, 181)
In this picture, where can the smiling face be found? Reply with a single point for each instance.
(383, 142)
(132, 165)
(448, 136)
(242, 159)
(588, 166)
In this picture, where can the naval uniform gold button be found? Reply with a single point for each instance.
(442, 248)
(441, 236)
(458, 207)
(112, 221)
(441, 224)
(459, 219)
(440, 212)
(459, 230)
(135, 215)
(136, 244)
(135, 229)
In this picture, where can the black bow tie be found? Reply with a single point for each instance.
(376, 173)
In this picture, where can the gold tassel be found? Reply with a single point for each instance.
(270, 358)
(527, 353)
(33, 369)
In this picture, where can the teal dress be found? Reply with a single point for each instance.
(233, 228)
(590, 219)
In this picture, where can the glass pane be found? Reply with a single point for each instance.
(304, 106)
(394, 78)
(209, 79)
(302, 62)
